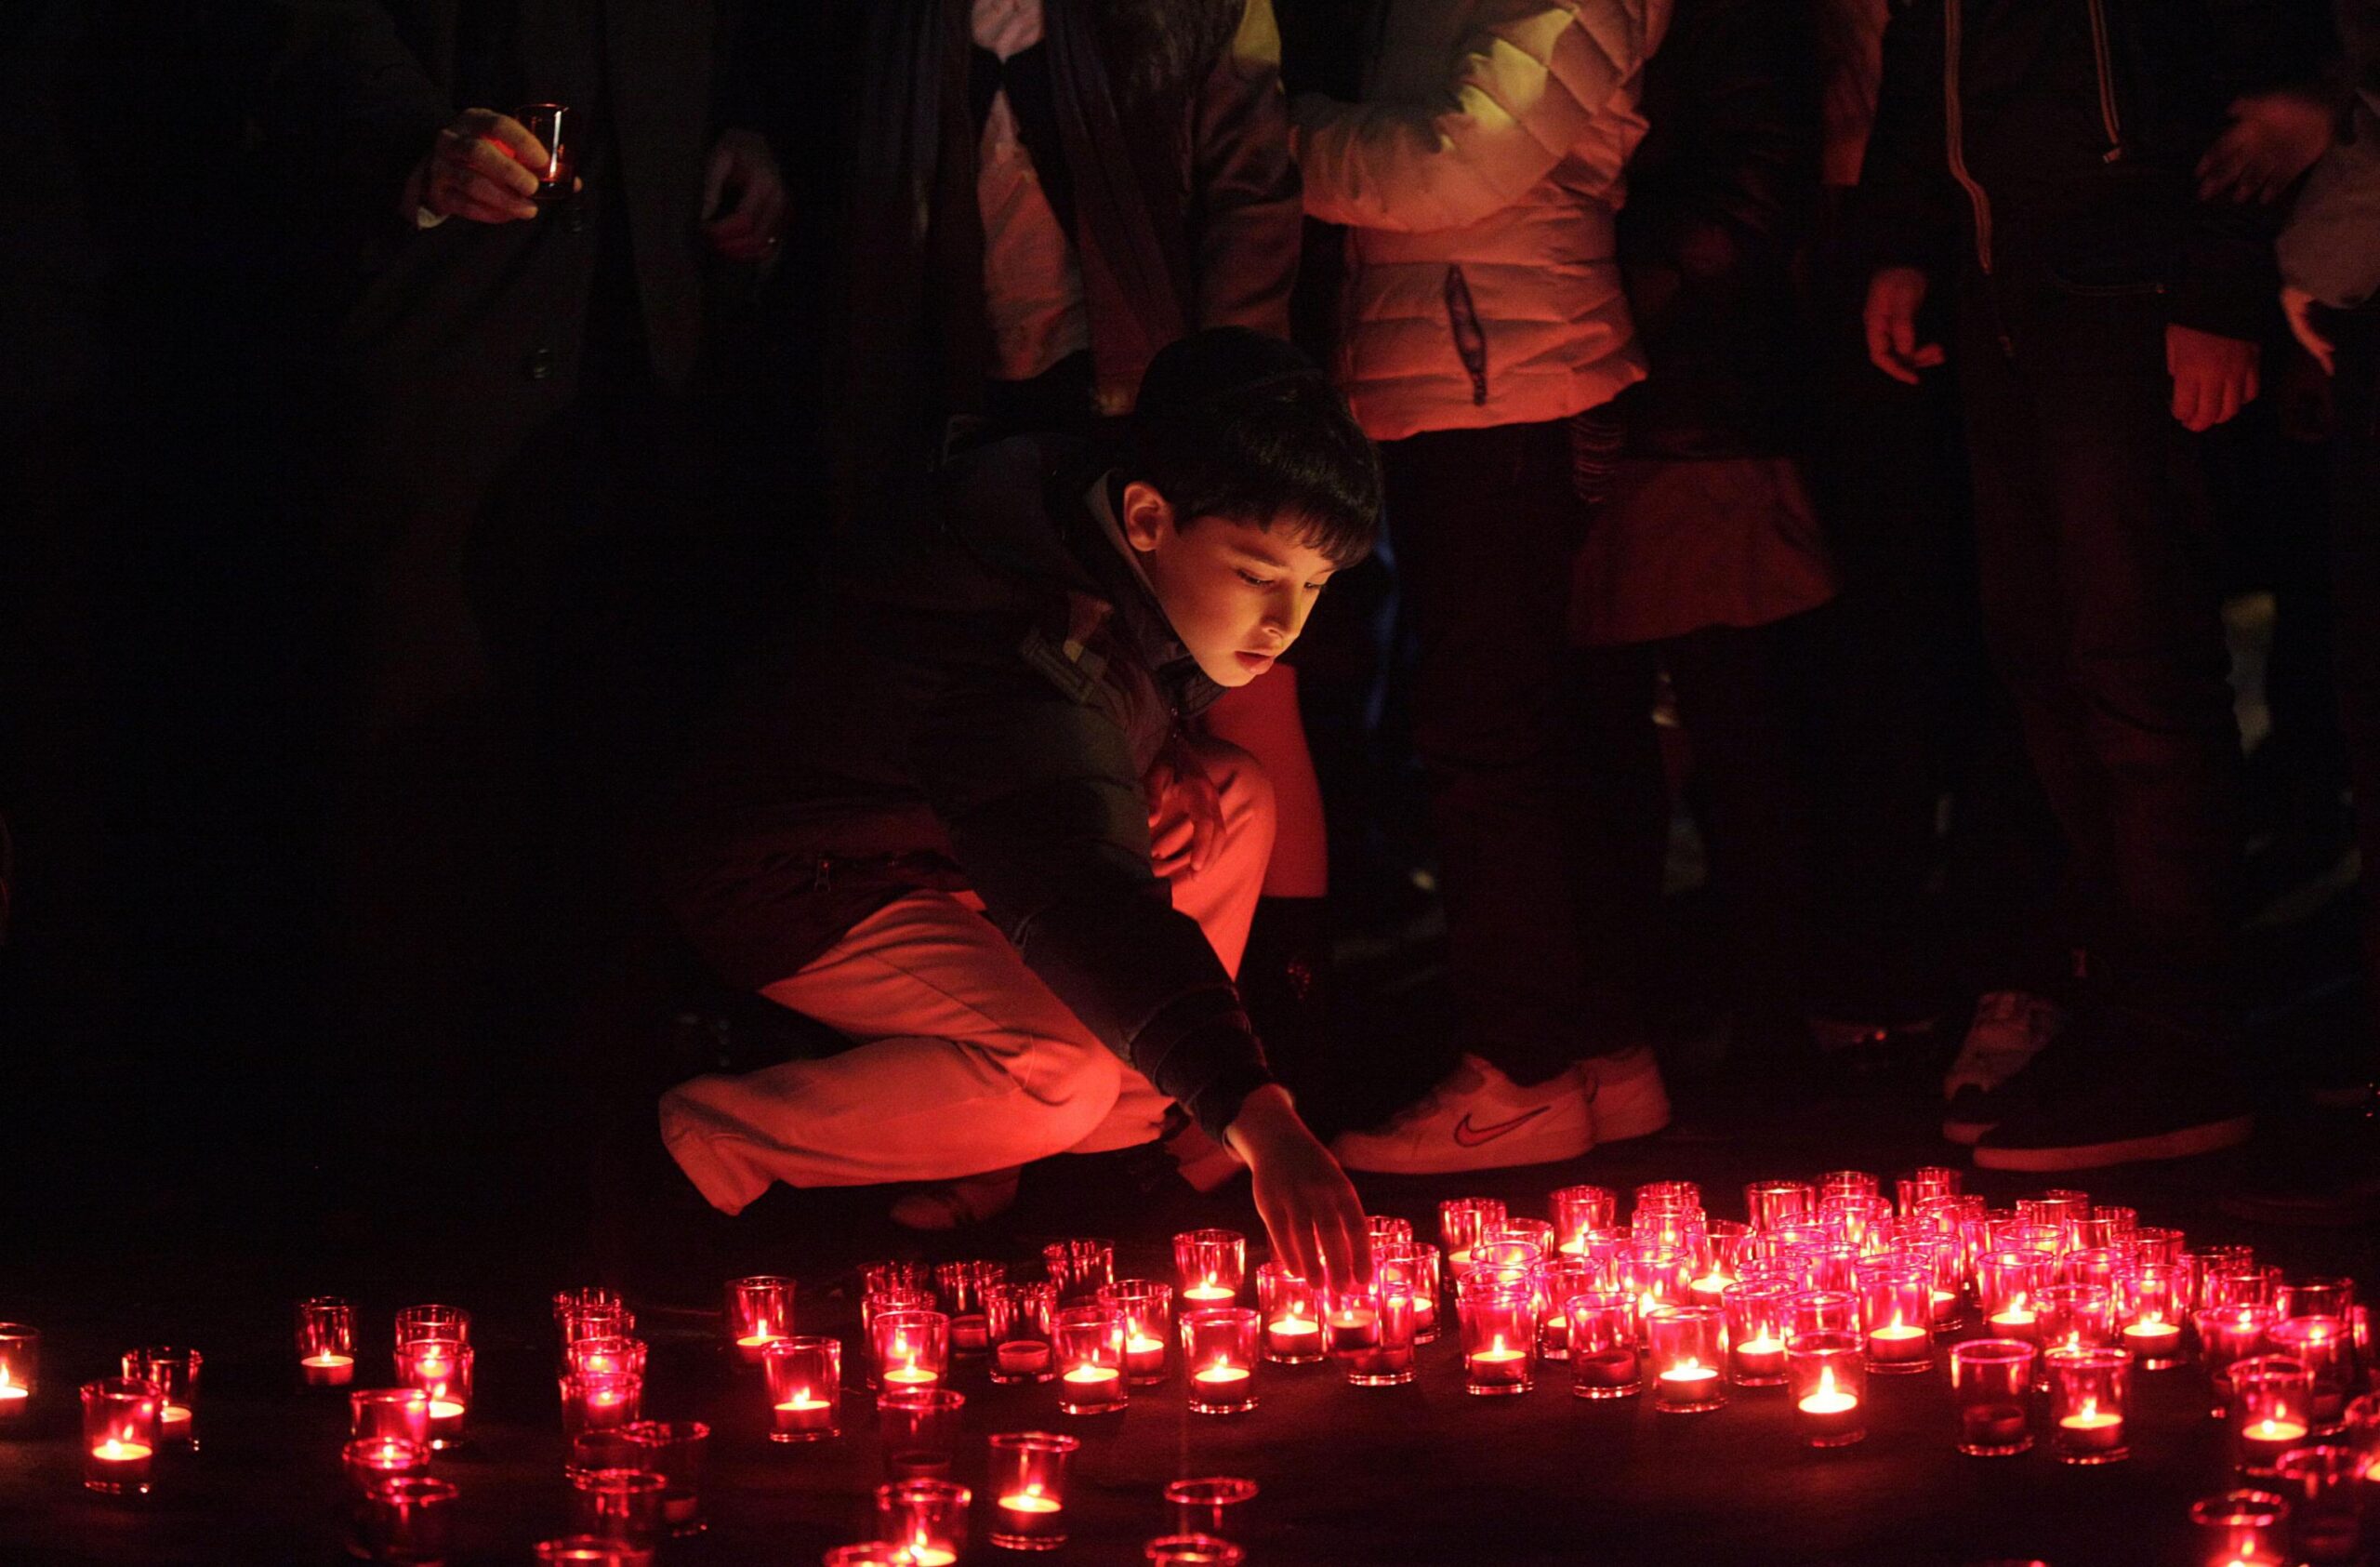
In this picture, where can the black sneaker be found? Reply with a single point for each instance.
(1993, 1078)
(2148, 1115)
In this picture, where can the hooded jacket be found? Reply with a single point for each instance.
(977, 709)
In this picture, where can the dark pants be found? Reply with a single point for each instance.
(2101, 597)
(1741, 697)
(1486, 522)
(2355, 499)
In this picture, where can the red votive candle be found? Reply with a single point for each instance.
(390, 1413)
(1219, 1351)
(20, 1370)
(1028, 1483)
(1826, 1377)
(440, 1368)
(912, 1349)
(1212, 1264)
(759, 1311)
(120, 1436)
(926, 1518)
(1757, 1313)
(1090, 1348)
(449, 1323)
(1900, 1317)
(2271, 1410)
(2241, 1529)
(326, 1342)
(1689, 1357)
(2090, 1391)
(1498, 1318)
(1463, 1222)
(1603, 1345)
(600, 1401)
(1079, 1268)
(1147, 1306)
(963, 1287)
(675, 1449)
(1990, 1380)
(917, 1429)
(1387, 1360)
(1016, 1322)
(805, 1382)
(1292, 1318)
(623, 1506)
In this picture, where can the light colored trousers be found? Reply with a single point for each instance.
(967, 1062)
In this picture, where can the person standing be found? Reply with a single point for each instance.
(1478, 178)
(2039, 159)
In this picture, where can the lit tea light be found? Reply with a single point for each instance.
(174, 1425)
(805, 1414)
(1293, 1338)
(2151, 1340)
(328, 1371)
(1760, 1357)
(1711, 1288)
(1143, 1357)
(2094, 1429)
(2089, 1389)
(909, 1375)
(1030, 1515)
(1690, 1384)
(1900, 1344)
(1352, 1328)
(759, 1311)
(1826, 1371)
(1689, 1346)
(1498, 1365)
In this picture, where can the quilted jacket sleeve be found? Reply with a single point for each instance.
(1519, 94)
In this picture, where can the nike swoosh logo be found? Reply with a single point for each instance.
(1473, 1136)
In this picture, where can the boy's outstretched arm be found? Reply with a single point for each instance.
(1308, 1205)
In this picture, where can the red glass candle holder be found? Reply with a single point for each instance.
(1148, 1309)
(407, 1521)
(449, 1323)
(1771, 1204)
(1497, 1319)
(603, 1357)
(2326, 1491)
(885, 1277)
(2241, 1529)
(1725, 1248)
(1016, 1322)
(910, 1348)
(440, 1368)
(1759, 1314)
(1079, 1268)
(2009, 1283)
(20, 1370)
(397, 1414)
(610, 1449)
(1212, 1264)
(918, 1431)
(676, 1451)
(1898, 1318)
(1688, 1349)
(1387, 1360)
(1603, 1345)
(1566, 1278)
(595, 1325)
(2227, 1334)
(173, 1372)
(926, 1518)
(964, 1288)
(1387, 1229)
(366, 1462)
(1219, 1354)
(2321, 1344)
(1924, 1184)
(1350, 1319)
(2318, 1297)
(1826, 1377)
(805, 1382)
(1821, 1311)
(326, 1342)
(759, 1311)
(1429, 1283)
(1028, 1484)
(1090, 1344)
(1463, 1222)
(600, 1401)
(1990, 1381)
(1210, 1505)
(120, 1436)
(1292, 1317)
(621, 1506)
(1579, 1210)
(2271, 1410)
(2150, 1306)
(2075, 1317)
(866, 1553)
(568, 1303)
(2090, 1397)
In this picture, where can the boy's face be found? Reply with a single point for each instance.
(1235, 594)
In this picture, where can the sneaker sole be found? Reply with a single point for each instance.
(1462, 1160)
(2187, 1143)
(1966, 1133)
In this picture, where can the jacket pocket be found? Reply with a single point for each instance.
(1470, 338)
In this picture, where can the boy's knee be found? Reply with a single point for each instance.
(1076, 1082)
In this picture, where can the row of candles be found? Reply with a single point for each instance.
(1825, 1285)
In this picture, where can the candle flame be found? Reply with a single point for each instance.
(1826, 1388)
(2088, 1410)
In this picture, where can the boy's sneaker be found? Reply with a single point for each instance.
(947, 1205)
(1988, 1081)
(1478, 1119)
(1626, 1097)
(2151, 1115)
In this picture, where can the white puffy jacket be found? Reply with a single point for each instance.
(1478, 180)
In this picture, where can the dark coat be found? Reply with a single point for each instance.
(2080, 123)
(1720, 194)
(977, 710)
(468, 308)
(1186, 208)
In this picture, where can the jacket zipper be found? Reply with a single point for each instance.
(2103, 58)
(1954, 132)
(1470, 338)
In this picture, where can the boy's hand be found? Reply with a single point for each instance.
(482, 168)
(1185, 814)
(1308, 1205)
(2215, 377)
(2273, 138)
(2298, 306)
(1893, 296)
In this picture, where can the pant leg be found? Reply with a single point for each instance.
(2120, 673)
(1619, 835)
(968, 1062)
(2355, 512)
(1485, 524)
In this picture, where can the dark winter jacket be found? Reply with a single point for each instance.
(2063, 135)
(975, 711)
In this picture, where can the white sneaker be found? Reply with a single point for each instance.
(2010, 1028)
(1478, 1119)
(1626, 1097)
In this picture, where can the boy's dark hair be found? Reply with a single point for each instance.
(1233, 423)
